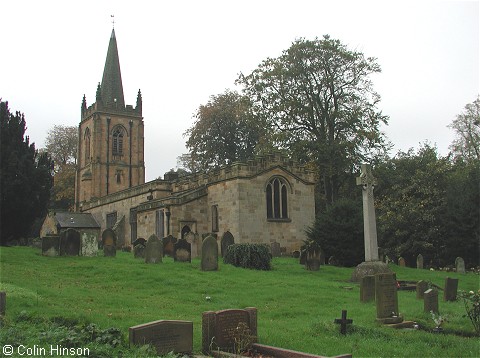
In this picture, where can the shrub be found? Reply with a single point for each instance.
(472, 307)
(252, 256)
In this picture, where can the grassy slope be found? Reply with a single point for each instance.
(296, 308)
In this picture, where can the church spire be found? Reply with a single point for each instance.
(112, 88)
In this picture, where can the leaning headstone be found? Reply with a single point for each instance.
(422, 286)
(275, 249)
(193, 240)
(386, 298)
(227, 240)
(460, 265)
(165, 336)
(209, 254)
(219, 328)
(51, 245)
(367, 288)
(153, 250)
(430, 300)
(401, 262)
(168, 245)
(3, 303)
(420, 261)
(182, 251)
(88, 245)
(139, 251)
(70, 243)
(450, 290)
(109, 242)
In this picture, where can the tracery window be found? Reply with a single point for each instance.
(117, 140)
(277, 200)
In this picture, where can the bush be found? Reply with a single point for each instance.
(252, 256)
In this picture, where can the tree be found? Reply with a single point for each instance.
(320, 99)
(61, 144)
(224, 132)
(467, 128)
(25, 177)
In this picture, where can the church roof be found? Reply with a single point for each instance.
(112, 88)
(75, 220)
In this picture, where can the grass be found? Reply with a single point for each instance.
(296, 308)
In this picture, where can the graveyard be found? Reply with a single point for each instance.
(296, 309)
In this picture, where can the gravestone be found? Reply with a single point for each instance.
(430, 300)
(193, 240)
(139, 251)
(51, 245)
(168, 245)
(296, 254)
(367, 288)
(153, 250)
(88, 245)
(372, 265)
(182, 251)
(70, 243)
(303, 257)
(209, 254)
(420, 261)
(109, 243)
(386, 298)
(343, 322)
(165, 336)
(312, 262)
(3, 303)
(450, 290)
(227, 240)
(422, 286)
(275, 249)
(401, 262)
(139, 241)
(459, 265)
(219, 328)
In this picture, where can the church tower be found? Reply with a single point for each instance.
(111, 138)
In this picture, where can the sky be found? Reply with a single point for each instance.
(179, 53)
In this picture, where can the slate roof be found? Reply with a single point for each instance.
(76, 220)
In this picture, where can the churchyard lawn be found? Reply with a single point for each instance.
(296, 308)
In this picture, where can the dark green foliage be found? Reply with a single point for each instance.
(338, 230)
(25, 177)
(252, 256)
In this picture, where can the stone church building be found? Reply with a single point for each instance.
(268, 199)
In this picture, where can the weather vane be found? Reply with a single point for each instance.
(113, 20)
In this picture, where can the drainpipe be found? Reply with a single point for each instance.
(167, 214)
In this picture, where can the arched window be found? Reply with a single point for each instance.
(117, 140)
(277, 198)
(86, 138)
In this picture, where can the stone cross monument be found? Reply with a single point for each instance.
(367, 181)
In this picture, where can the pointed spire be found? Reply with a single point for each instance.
(139, 102)
(98, 95)
(112, 88)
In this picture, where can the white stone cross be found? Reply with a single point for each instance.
(368, 182)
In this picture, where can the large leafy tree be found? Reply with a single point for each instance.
(25, 177)
(61, 143)
(319, 97)
(224, 131)
(467, 127)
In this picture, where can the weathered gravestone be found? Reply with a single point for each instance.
(209, 254)
(220, 329)
(430, 300)
(422, 286)
(165, 336)
(296, 254)
(460, 265)
(88, 245)
(386, 298)
(401, 262)
(139, 251)
(70, 243)
(193, 240)
(153, 250)
(182, 251)
(51, 245)
(3, 303)
(227, 240)
(168, 245)
(450, 290)
(367, 288)
(420, 261)
(275, 249)
(109, 242)
(139, 241)
(312, 261)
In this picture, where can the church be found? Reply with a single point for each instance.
(264, 200)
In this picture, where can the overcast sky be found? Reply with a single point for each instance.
(179, 53)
